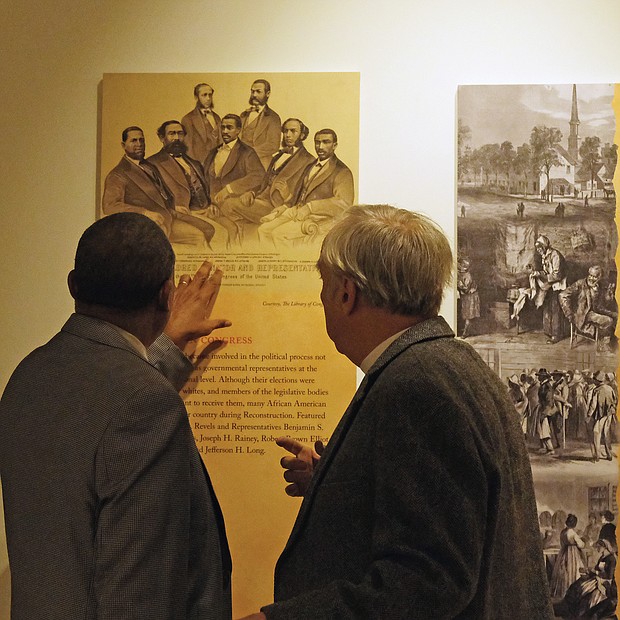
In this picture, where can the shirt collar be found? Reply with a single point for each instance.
(374, 355)
(132, 340)
(230, 145)
(133, 161)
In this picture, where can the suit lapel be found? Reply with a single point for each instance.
(332, 448)
(231, 162)
(200, 123)
(299, 161)
(174, 170)
(321, 175)
(261, 123)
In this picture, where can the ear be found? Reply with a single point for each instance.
(71, 284)
(348, 296)
(164, 298)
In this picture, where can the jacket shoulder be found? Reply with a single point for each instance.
(120, 169)
(158, 157)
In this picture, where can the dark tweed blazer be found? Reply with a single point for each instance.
(422, 505)
(109, 511)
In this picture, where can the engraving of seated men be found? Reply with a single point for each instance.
(323, 195)
(285, 169)
(585, 305)
(137, 185)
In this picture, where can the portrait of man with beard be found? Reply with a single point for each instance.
(183, 175)
(260, 125)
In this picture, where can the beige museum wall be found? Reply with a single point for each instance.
(411, 54)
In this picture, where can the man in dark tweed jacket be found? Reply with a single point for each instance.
(422, 505)
(110, 512)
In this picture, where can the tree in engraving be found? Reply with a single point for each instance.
(544, 142)
(589, 151)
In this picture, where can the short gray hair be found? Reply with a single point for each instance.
(398, 259)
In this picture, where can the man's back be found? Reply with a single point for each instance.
(422, 505)
(103, 487)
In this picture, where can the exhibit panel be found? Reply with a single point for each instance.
(536, 284)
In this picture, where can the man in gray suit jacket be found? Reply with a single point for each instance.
(422, 504)
(109, 510)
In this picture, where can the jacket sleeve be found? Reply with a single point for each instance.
(565, 298)
(143, 517)
(170, 361)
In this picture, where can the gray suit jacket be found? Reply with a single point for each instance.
(109, 511)
(422, 505)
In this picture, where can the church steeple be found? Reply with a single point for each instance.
(573, 138)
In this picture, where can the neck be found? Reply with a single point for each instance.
(144, 323)
(371, 326)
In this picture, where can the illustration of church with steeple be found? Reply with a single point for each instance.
(571, 176)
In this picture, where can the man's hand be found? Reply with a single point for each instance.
(213, 211)
(221, 196)
(192, 305)
(274, 214)
(247, 198)
(182, 209)
(299, 468)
